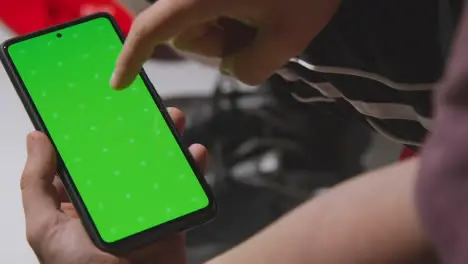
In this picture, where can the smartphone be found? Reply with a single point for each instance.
(120, 157)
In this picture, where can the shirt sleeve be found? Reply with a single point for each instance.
(442, 186)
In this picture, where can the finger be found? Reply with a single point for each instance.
(40, 199)
(69, 210)
(159, 23)
(61, 191)
(178, 118)
(171, 249)
(206, 40)
(269, 51)
(218, 38)
(66, 206)
(200, 155)
(237, 35)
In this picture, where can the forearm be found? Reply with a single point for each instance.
(369, 219)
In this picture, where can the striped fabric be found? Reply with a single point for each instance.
(383, 59)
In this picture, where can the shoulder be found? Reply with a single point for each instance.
(404, 40)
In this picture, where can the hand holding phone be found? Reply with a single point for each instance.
(56, 234)
(120, 158)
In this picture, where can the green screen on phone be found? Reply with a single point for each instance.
(123, 158)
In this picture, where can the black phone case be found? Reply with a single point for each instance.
(141, 239)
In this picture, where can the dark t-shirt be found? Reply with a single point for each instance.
(382, 59)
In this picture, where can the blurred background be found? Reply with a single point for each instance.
(269, 152)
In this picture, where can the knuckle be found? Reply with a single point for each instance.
(140, 28)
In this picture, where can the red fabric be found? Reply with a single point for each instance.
(26, 16)
(407, 153)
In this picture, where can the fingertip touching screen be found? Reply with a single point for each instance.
(121, 155)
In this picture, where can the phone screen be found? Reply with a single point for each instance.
(121, 155)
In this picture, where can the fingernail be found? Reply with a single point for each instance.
(113, 80)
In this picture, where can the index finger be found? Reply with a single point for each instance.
(159, 23)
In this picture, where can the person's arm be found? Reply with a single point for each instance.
(369, 219)
(442, 188)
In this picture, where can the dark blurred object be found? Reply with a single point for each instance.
(268, 154)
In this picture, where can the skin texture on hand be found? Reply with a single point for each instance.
(282, 31)
(53, 228)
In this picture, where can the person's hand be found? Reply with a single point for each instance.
(282, 29)
(53, 228)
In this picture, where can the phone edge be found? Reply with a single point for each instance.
(147, 236)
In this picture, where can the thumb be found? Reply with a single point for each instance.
(40, 198)
(269, 51)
